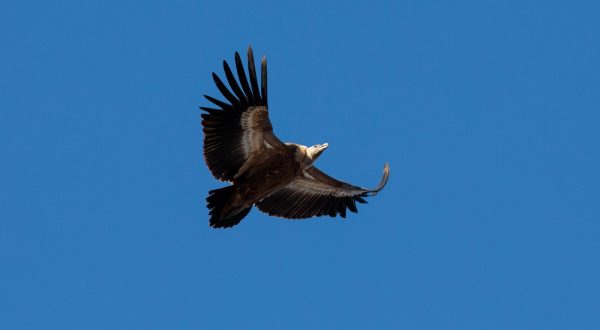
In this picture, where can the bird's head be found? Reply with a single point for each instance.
(312, 153)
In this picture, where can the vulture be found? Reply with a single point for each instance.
(278, 178)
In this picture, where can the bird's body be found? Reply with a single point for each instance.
(279, 178)
(266, 173)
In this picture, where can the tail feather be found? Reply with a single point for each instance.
(216, 201)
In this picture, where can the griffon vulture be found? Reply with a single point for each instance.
(279, 178)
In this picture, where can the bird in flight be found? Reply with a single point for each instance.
(279, 178)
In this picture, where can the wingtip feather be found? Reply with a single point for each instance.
(263, 78)
(382, 182)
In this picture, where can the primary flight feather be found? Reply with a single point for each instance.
(279, 178)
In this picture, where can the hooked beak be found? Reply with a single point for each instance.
(322, 148)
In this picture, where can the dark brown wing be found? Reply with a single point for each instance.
(315, 193)
(240, 127)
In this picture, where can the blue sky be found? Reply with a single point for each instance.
(487, 111)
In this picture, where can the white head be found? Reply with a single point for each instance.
(307, 155)
(312, 153)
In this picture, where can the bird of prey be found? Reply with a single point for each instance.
(279, 178)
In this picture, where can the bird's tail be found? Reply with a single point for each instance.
(218, 201)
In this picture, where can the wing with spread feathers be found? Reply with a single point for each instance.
(240, 127)
(315, 193)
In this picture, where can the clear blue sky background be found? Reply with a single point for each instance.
(488, 112)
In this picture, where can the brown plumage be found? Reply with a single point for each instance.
(279, 178)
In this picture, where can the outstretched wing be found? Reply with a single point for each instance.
(239, 128)
(315, 193)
